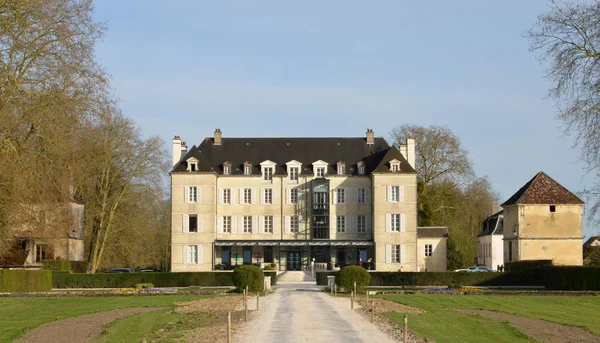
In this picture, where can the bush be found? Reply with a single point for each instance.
(64, 265)
(25, 281)
(346, 277)
(250, 276)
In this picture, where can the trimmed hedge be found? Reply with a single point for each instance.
(553, 278)
(517, 266)
(63, 279)
(25, 281)
(64, 265)
(346, 277)
(249, 276)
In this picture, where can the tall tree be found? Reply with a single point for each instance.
(567, 37)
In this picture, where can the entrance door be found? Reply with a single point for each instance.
(293, 261)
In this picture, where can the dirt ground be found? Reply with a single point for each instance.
(538, 329)
(384, 323)
(86, 328)
(217, 329)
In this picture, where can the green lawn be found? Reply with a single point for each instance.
(442, 324)
(21, 314)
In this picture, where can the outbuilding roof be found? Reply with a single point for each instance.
(543, 190)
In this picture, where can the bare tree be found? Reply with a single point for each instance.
(567, 36)
(439, 152)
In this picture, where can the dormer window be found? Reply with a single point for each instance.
(320, 168)
(247, 168)
(293, 169)
(394, 166)
(341, 168)
(192, 164)
(226, 168)
(361, 168)
(268, 169)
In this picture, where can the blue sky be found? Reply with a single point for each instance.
(336, 68)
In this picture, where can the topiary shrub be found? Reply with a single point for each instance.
(346, 277)
(250, 276)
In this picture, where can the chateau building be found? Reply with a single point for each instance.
(289, 201)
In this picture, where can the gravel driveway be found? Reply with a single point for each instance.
(301, 312)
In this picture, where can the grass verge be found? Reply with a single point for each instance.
(21, 314)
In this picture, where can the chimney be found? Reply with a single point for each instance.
(176, 150)
(403, 151)
(370, 137)
(410, 150)
(217, 139)
(183, 149)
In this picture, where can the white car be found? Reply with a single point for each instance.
(480, 269)
(462, 270)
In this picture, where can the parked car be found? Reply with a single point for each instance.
(462, 270)
(479, 269)
(120, 270)
(148, 271)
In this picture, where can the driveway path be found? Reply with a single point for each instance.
(300, 312)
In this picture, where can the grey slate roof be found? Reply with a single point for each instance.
(493, 225)
(543, 190)
(304, 150)
(432, 232)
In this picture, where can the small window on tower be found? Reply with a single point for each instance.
(552, 208)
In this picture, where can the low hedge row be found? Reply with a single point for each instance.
(64, 265)
(25, 280)
(553, 278)
(183, 279)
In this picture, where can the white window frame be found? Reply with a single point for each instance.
(268, 196)
(294, 224)
(247, 169)
(189, 227)
(293, 170)
(294, 173)
(396, 222)
(361, 170)
(320, 172)
(227, 170)
(247, 224)
(294, 196)
(394, 166)
(428, 250)
(320, 168)
(361, 224)
(192, 164)
(396, 253)
(395, 193)
(268, 174)
(226, 196)
(247, 196)
(340, 224)
(227, 224)
(341, 169)
(268, 224)
(192, 254)
(191, 194)
(361, 196)
(340, 194)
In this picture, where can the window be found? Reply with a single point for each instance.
(192, 164)
(428, 250)
(226, 170)
(294, 173)
(42, 252)
(247, 169)
(340, 194)
(361, 195)
(193, 223)
(394, 168)
(247, 224)
(552, 208)
(294, 224)
(268, 224)
(341, 224)
(227, 196)
(361, 224)
(320, 172)
(193, 167)
(268, 254)
(226, 255)
(293, 196)
(341, 169)
(191, 194)
(395, 224)
(247, 198)
(192, 254)
(396, 254)
(268, 174)
(395, 194)
(268, 196)
(247, 255)
(227, 224)
(361, 170)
